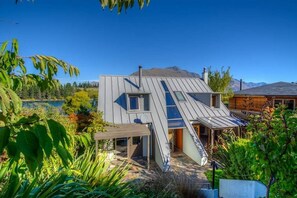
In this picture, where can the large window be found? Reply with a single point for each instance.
(174, 117)
(289, 103)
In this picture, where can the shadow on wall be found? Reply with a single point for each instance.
(132, 83)
(121, 100)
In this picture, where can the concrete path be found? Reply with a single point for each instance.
(181, 163)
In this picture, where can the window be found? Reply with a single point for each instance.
(174, 118)
(179, 95)
(169, 99)
(134, 102)
(138, 102)
(172, 112)
(213, 101)
(278, 102)
(289, 103)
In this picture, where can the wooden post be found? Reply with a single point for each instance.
(198, 131)
(128, 148)
(96, 147)
(172, 141)
(148, 152)
(212, 140)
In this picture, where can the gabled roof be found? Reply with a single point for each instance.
(274, 89)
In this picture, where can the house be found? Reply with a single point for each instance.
(254, 100)
(155, 116)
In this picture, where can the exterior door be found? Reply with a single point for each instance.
(179, 139)
(136, 146)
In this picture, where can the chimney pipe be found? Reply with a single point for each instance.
(139, 76)
(205, 75)
(240, 85)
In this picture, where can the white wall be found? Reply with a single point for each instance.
(244, 188)
(158, 157)
(189, 147)
(144, 146)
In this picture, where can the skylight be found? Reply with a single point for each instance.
(179, 95)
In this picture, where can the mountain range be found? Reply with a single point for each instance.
(175, 71)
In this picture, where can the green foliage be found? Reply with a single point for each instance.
(235, 156)
(269, 155)
(33, 137)
(78, 103)
(120, 4)
(13, 72)
(275, 150)
(219, 81)
(87, 176)
(219, 174)
(33, 92)
(97, 124)
(29, 137)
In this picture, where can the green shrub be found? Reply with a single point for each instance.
(87, 176)
(219, 174)
(78, 103)
(234, 155)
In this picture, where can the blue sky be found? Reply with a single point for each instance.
(256, 38)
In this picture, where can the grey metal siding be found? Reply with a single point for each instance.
(113, 92)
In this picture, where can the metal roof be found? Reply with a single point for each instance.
(122, 131)
(274, 89)
(113, 104)
(222, 122)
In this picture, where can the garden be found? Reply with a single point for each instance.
(49, 152)
(267, 153)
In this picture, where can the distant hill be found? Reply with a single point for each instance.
(175, 71)
(167, 72)
(235, 84)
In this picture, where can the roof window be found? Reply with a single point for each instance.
(179, 95)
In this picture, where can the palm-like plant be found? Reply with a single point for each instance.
(87, 176)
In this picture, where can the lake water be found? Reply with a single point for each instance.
(31, 104)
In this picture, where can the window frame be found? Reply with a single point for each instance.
(214, 101)
(283, 102)
(138, 102)
(181, 94)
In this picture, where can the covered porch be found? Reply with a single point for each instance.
(127, 137)
(209, 128)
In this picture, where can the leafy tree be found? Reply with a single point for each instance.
(119, 4)
(30, 137)
(219, 81)
(275, 150)
(78, 103)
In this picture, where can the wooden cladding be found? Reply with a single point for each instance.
(254, 103)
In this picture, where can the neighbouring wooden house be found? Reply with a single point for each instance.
(253, 100)
(155, 116)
